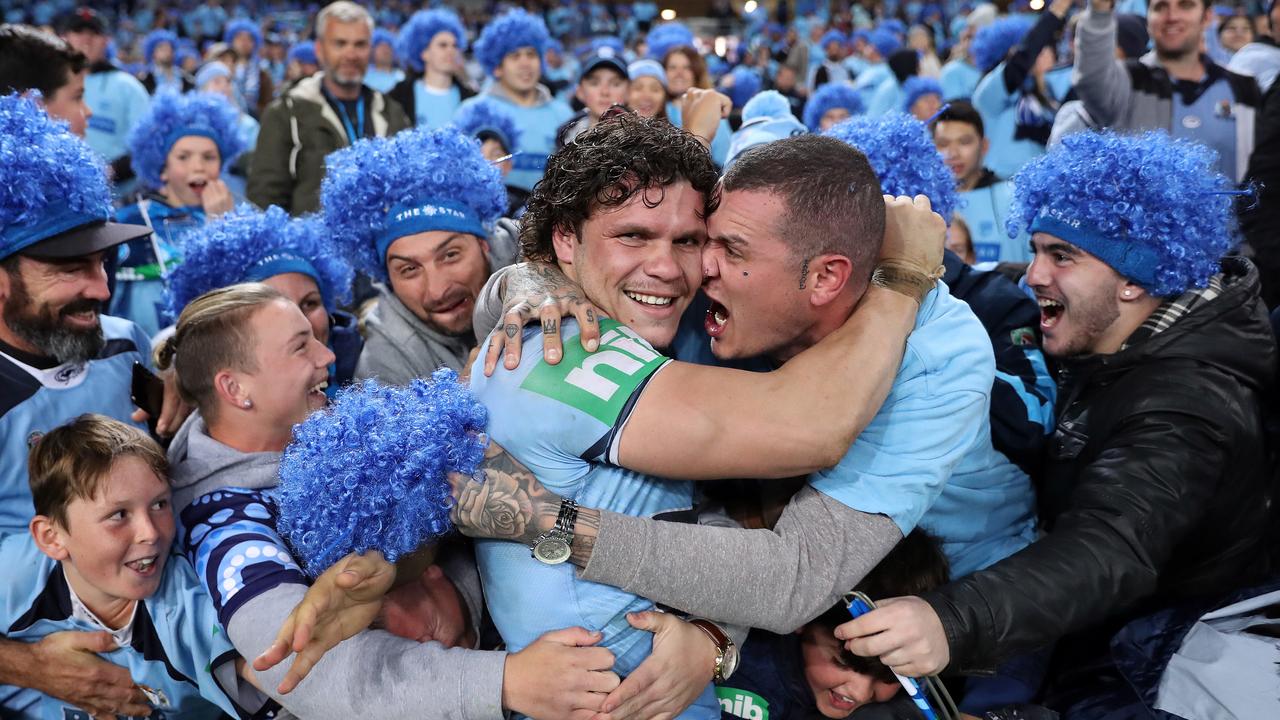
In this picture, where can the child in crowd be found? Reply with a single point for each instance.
(602, 83)
(179, 149)
(98, 559)
(809, 673)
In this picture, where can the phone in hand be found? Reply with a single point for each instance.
(147, 392)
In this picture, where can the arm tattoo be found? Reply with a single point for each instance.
(509, 504)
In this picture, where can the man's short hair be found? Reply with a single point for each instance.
(72, 461)
(342, 11)
(603, 168)
(31, 59)
(960, 111)
(832, 197)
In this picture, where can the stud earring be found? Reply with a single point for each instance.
(248, 404)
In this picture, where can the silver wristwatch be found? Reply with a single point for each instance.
(553, 546)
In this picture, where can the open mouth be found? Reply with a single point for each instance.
(1050, 312)
(319, 388)
(145, 566)
(198, 186)
(840, 702)
(653, 301)
(716, 320)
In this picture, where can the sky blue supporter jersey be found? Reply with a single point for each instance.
(178, 651)
(926, 458)
(538, 126)
(564, 422)
(985, 211)
(34, 401)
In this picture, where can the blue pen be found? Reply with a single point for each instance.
(859, 607)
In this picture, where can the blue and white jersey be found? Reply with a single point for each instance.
(143, 263)
(35, 400)
(230, 536)
(538, 126)
(117, 100)
(926, 459)
(174, 647)
(985, 210)
(564, 423)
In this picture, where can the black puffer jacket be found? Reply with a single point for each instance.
(1154, 488)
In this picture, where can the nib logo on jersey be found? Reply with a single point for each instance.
(592, 382)
(742, 703)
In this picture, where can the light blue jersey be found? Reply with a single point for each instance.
(869, 79)
(383, 80)
(564, 422)
(984, 211)
(117, 100)
(958, 79)
(719, 144)
(999, 110)
(926, 458)
(887, 97)
(538, 125)
(142, 264)
(434, 108)
(36, 400)
(174, 648)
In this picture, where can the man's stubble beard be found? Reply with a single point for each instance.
(44, 329)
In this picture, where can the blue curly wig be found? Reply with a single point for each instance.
(45, 173)
(485, 116)
(239, 246)
(901, 151)
(991, 44)
(769, 103)
(884, 41)
(746, 83)
(370, 472)
(597, 44)
(832, 95)
(507, 33)
(366, 182)
(154, 39)
(917, 87)
(1149, 206)
(239, 25)
(895, 26)
(833, 36)
(422, 27)
(304, 52)
(667, 37)
(171, 117)
(383, 36)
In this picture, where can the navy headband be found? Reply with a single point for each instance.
(426, 215)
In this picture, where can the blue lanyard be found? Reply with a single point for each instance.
(346, 119)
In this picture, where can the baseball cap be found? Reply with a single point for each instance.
(81, 20)
(604, 57)
(85, 240)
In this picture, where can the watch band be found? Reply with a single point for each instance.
(905, 279)
(568, 517)
(722, 641)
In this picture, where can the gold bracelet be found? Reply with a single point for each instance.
(905, 279)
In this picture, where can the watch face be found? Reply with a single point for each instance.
(552, 550)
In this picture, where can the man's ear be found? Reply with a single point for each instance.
(564, 242)
(229, 390)
(828, 277)
(48, 537)
(1129, 292)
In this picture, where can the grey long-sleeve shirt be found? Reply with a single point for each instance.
(777, 580)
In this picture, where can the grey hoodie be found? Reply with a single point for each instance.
(399, 347)
(375, 673)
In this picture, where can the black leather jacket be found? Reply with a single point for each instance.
(1154, 490)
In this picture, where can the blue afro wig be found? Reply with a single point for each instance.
(417, 34)
(154, 39)
(370, 472)
(769, 103)
(901, 151)
(746, 83)
(833, 36)
(604, 42)
(895, 26)
(304, 52)
(667, 37)
(363, 182)
(917, 87)
(382, 36)
(484, 118)
(884, 41)
(991, 44)
(231, 249)
(1149, 206)
(829, 96)
(171, 117)
(44, 171)
(239, 25)
(507, 33)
